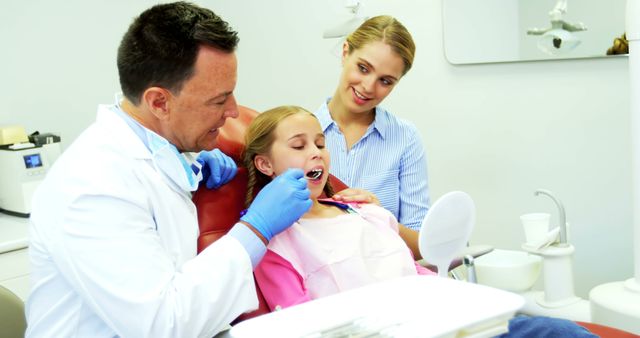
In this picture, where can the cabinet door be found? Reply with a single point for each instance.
(14, 272)
(18, 285)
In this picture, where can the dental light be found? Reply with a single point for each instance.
(557, 41)
(558, 38)
(346, 27)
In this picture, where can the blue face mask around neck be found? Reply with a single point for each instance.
(173, 164)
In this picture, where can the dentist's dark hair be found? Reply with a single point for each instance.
(160, 47)
(258, 141)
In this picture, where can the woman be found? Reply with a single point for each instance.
(358, 130)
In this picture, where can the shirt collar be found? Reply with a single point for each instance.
(108, 115)
(324, 116)
(137, 128)
(380, 122)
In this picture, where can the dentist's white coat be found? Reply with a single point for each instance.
(113, 248)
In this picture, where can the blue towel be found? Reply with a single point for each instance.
(545, 327)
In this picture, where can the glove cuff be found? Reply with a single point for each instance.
(256, 225)
(256, 232)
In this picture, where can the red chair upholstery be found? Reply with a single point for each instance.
(606, 331)
(219, 209)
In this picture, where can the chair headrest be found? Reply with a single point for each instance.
(231, 137)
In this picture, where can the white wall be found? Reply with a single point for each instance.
(497, 131)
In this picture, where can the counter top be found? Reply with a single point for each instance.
(14, 233)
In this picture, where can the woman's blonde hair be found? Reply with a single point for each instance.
(389, 30)
(259, 139)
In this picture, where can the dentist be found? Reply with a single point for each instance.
(113, 230)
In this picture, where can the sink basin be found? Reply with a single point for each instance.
(509, 270)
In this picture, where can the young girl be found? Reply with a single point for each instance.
(334, 247)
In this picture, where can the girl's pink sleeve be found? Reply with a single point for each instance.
(280, 283)
(423, 271)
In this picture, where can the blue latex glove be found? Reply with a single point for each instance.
(280, 203)
(217, 168)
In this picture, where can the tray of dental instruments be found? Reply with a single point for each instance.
(415, 306)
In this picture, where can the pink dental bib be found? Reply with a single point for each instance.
(345, 252)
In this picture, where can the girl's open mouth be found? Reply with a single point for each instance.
(314, 174)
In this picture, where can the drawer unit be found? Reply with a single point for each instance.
(14, 272)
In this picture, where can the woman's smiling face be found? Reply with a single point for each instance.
(369, 75)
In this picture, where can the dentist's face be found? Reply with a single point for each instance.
(298, 143)
(369, 74)
(206, 100)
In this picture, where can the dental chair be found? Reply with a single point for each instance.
(219, 209)
(12, 319)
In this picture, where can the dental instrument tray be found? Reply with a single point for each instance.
(415, 306)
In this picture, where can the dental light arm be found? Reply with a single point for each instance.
(573, 27)
(557, 21)
(345, 28)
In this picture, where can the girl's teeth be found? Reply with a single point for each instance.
(314, 174)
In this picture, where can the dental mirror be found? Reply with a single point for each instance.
(446, 229)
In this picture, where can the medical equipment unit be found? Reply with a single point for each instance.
(24, 162)
(549, 251)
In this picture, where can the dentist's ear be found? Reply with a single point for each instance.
(157, 101)
(263, 164)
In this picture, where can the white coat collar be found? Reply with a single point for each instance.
(122, 132)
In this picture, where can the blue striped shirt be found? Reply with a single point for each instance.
(389, 161)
